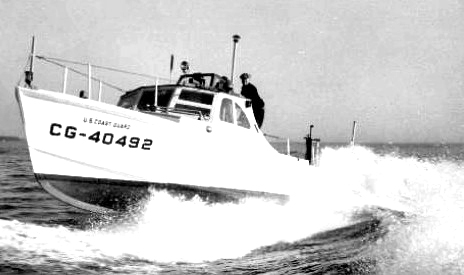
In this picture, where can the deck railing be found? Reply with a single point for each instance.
(63, 63)
(280, 138)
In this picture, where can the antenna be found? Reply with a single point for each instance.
(235, 38)
(171, 68)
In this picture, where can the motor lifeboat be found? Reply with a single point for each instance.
(192, 138)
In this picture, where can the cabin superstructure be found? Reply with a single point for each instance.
(201, 96)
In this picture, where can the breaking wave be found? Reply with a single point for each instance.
(425, 238)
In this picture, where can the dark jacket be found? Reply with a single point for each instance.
(249, 91)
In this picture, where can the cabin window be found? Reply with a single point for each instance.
(196, 80)
(128, 101)
(226, 111)
(197, 97)
(148, 99)
(242, 119)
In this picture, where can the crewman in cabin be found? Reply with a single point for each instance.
(224, 85)
(249, 91)
(185, 67)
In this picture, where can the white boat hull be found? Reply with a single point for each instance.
(101, 157)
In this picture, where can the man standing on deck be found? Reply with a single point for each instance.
(249, 91)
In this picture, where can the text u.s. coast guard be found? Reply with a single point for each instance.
(106, 123)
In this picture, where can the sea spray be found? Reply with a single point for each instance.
(323, 198)
(348, 181)
(171, 229)
(429, 239)
(59, 250)
(46, 242)
(174, 230)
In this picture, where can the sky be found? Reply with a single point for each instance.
(396, 67)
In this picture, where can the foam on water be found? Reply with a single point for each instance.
(430, 239)
(171, 230)
(325, 197)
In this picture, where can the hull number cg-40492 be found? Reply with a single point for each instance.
(105, 138)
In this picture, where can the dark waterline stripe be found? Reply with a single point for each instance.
(104, 195)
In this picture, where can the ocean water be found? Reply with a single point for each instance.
(367, 209)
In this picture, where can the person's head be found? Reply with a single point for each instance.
(245, 77)
(184, 67)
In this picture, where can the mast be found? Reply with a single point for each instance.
(353, 134)
(29, 75)
(235, 38)
(31, 65)
(171, 67)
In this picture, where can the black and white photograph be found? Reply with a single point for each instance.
(232, 137)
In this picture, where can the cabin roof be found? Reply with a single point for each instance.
(204, 82)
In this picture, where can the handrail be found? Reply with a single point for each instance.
(281, 138)
(274, 136)
(101, 67)
(80, 73)
(56, 61)
(187, 112)
(28, 74)
(176, 110)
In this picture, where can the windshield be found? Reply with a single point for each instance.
(128, 101)
(197, 80)
(147, 101)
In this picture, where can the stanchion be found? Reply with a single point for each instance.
(312, 148)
